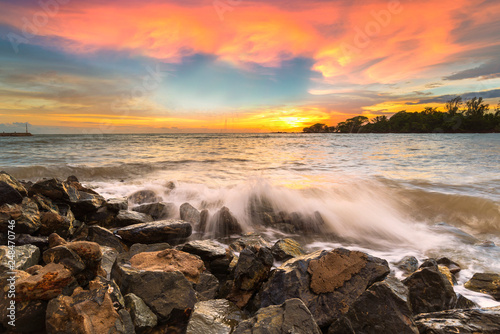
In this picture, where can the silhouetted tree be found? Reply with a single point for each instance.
(453, 105)
(475, 107)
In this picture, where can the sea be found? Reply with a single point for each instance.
(390, 195)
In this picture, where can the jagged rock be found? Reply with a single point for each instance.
(141, 248)
(408, 264)
(429, 263)
(446, 272)
(11, 181)
(102, 217)
(66, 257)
(251, 270)
(430, 291)
(157, 210)
(485, 321)
(127, 218)
(253, 241)
(87, 312)
(45, 204)
(23, 257)
(25, 215)
(383, 308)
(109, 256)
(56, 240)
(190, 214)
(486, 283)
(292, 316)
(9, 195)
(171, 231)
(144, 196)
(327, 282)
(45, 284)
(285, 249)
(452, 266)
(208, 250)
(105, 237)
(202, 226)
(141, 314)
(117, 204)
(207, 286)
(25, 239)
(226, 224)
(217, 316)
(464, 303)
(54, 223)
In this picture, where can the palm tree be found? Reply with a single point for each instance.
(475, 107)
(453, 105)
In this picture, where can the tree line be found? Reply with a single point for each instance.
(472, 115)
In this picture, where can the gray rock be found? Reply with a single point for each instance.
(486, 283)
(171, 231)
(144, 196)
(24, 257)
(485, 321)
(108, 259)
(290, 317)
(157, 210)
(105, 237)
(117, 204)
(286, 249)
(208, 250)
(465, 303)
(141, 315)
(26, 239)
(252, 241)
(127, 218)
(208, 286)
(226, 224)
(190, 214)
(217, 316)
(408, 264)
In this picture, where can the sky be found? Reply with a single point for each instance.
(69, 66)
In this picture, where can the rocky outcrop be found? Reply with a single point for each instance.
(23, 257)
(327, 282)
(430, 291)
(290, 317)
(486, 283)
(127, 218)
(171, 231)
(485, 321)
(144, 196)
(26, 215)
(214, 316)
(286, 249)
(158, 211)
(141, 314)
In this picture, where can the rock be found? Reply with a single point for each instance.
(251, 270)
(327, 282)
(202, 226)
(452, 266)
(408, 264)
(141, 248)
(30, 315)
(168, 260)
(127, 218)
(190, 214)
(87, 312)
(45, 284)
(102, 217)
(44, 204)
(485, 321)
(25, 239)
(285, 249)
(214, 317)
(226, 224)
(446, 272)
(65, 256)
(208, 250)
(55, 223)
(105, 237)
(429, 263)
(486, 283)
(56, 240)
(171, 231)
(12, 182)
(109, 256)
(430, 291)
(141, 314)
(9, 195)
(253, 241)
(464, 303)
(157, 210)
(25, 215)
(290, 317)
(207, 286)
(23, 258)
(383, 308)
(144, 196)
(117, 204)
(112, 288)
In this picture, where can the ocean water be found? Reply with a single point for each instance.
(391, 195)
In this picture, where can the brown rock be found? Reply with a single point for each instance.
(56, 240)
(169, 260)
(54, 223)
(486, 283)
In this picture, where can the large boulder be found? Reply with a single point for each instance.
(217, 316)
(141, 314)
(127, 218)
(9, 195)
(207, 286)
(158, 211)
(327, 282)
(105, 237)
(26, 216)
(383, 308)
(171, 231)
(12, 182)
(285, 249)
(486, 283)
(87, 312)
(190, 214)
(208, 250)
(226, 224)
(485, 321)
(22, 257)
(430, 291)
(117, 204)
(290, 317)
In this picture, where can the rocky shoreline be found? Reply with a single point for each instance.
(84, 264)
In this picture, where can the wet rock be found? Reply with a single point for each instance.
(327, 282)
(86, 312)
(66, 257)
(102, 217)
(202, 226)
(127, 218)
(12, 182)
(54, 223)
(105, 237)
(253, 241)
(383, 308)
(285, 249)
(485, 321)
(23, 258)
(144, 196)
(429, 263)
(141, 314)
(117, 204)
(226, 224)
(207, 286)
(464, 303)
(408, 264)
(26, 239)
(214, 316)
(25, 215)
(446, 272)
(157, 210)
(190, 214)
(171, 231)
(292, 316)
(44, 204)
(430, 291)
(452, 266)
(9, 195)
(221, 267)
(55, 189)
(109, 256)
(486, 283)
(208, 250)
(45, 284)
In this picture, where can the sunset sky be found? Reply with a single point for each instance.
(69, 66)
